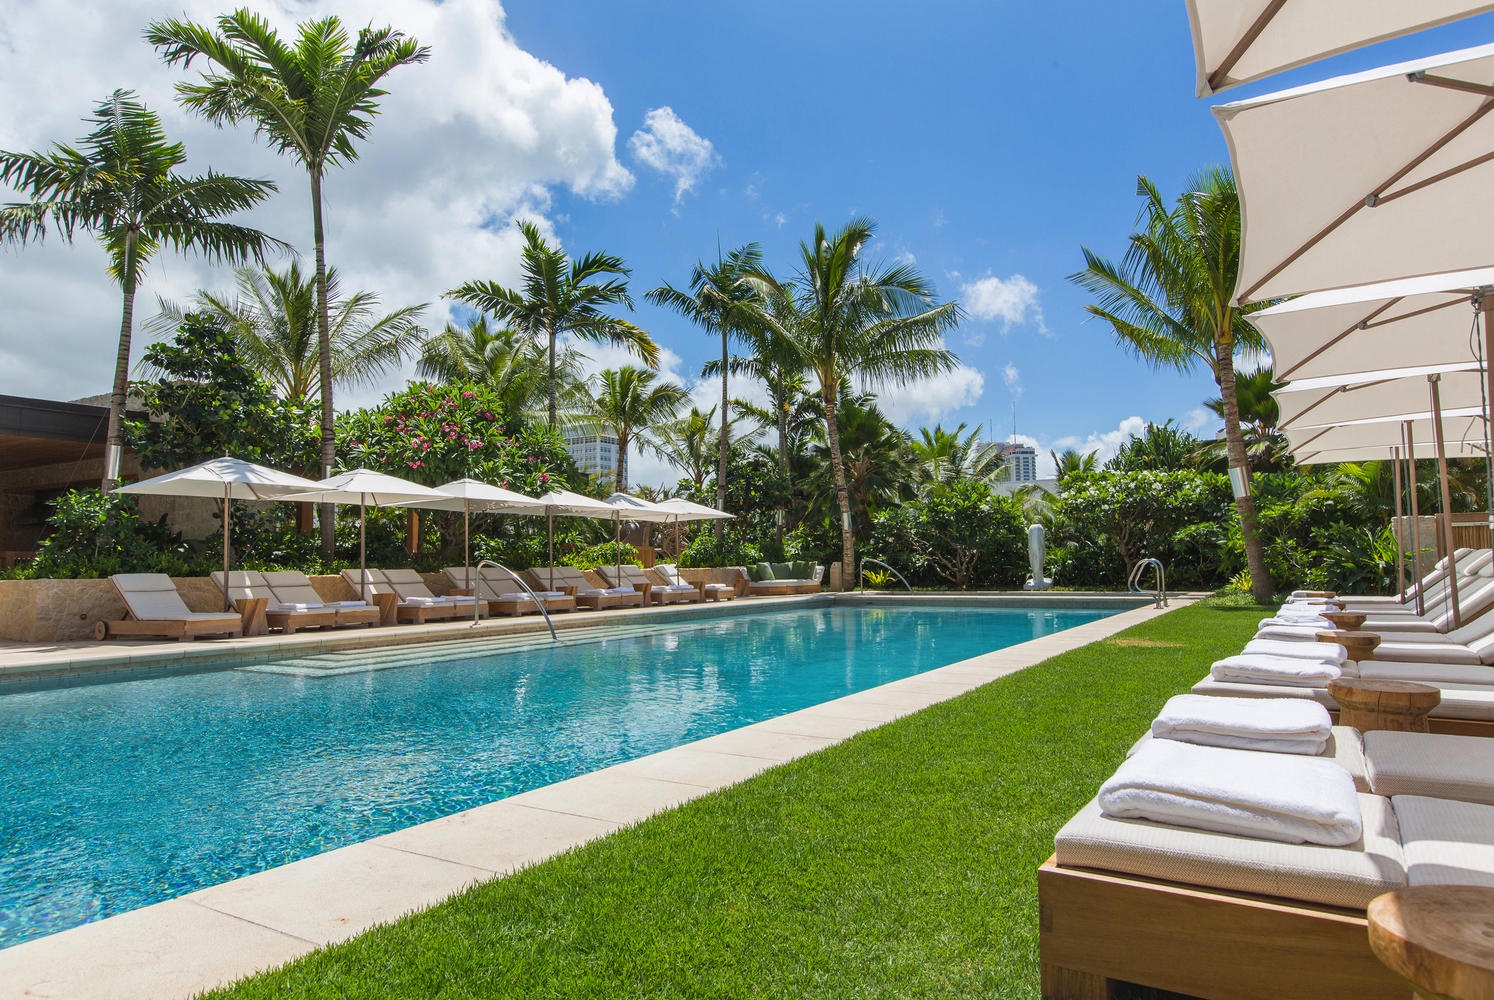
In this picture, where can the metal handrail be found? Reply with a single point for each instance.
(861, 577)
(477, 594)
(1134, 580)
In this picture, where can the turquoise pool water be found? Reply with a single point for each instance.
(117, 795)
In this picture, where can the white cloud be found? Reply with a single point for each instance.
(927, 400)
(480, 134)
(1013, 301)
(1197, 419)
(1106, 443)
(673, 148)
(1013, 379)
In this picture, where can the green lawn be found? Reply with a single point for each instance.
(899, 863)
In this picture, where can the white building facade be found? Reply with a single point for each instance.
(595, 455)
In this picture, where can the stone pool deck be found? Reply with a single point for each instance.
(216, 935)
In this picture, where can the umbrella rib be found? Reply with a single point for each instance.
(1312, 406)
(1428, 181)
(1363, 324)
(1252, 34)
(1369, 201)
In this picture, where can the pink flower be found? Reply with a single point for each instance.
(544, 477)
(487, 415)
(469, 395)
(474, 445)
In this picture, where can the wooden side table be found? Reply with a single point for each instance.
(1349, 621)
(1400, 706)
(1439, 938)
(1361, 645)
(646, 589)
(388, 605)
(252, 615)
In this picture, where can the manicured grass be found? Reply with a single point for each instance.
(900, 863)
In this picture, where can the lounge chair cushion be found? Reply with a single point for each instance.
(1334, 876)
(1446, 842)
(1427, 673)
(1442, 767)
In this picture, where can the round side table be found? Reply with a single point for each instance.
(1348, 621)
(1396, 705)
(1439, 938)
(1361, 645)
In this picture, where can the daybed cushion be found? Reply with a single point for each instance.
(1427, 673)
(1335, 876)
(1343, 749)
(1441, 767)
(1446, 842)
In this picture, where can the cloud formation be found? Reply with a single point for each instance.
(1013, 301)
(1013, 379)
(927, 400)
(1104, 443)
(674, 149)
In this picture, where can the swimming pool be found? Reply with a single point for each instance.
(116, 795)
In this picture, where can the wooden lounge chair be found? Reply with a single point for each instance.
(572, 581)
(670, 574)
(155, 608)
(407, 611)
(629, 575)
(503, 595)
(245, 586)
(292, 587)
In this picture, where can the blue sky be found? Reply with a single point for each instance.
(988, 140)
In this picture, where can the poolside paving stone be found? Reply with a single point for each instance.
(177, 948)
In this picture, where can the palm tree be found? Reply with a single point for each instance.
(273, 319)
(628, 403)
(1260, 416)
(119, 184)
(314, 100)
(849, 319)
(773, 360)
(1170, 301)
(500, 357)
(560, 295)
(944, 457)
(719, 301)
(875, 456)
(686, 442)
(1072, 463)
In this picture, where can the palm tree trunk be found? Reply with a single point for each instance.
(721, 448)
(324, 351)
(842, 495)
(114, 439)
(622, 461)
(783, 461)
(552, 379)
(1261, 587)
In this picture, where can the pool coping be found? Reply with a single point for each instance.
(213, 936)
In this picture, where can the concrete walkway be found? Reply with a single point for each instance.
(216, 935)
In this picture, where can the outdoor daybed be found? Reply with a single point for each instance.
(503, 594)
(155, 608)
(574, 582)
(628, 575)
(778, 579)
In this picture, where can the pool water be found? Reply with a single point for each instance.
(117, 795)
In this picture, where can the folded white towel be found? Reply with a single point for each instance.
(1315, 623)
(1265, 795)
(456, 599)
(297, 607)
(1292, 671)
(348, 604)
(549, 593)
(1305, 650)
(677, 588)
(1313, 602)
(1281, 725)
(424, 602)
(615, 591)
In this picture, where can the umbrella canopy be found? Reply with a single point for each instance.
(1366, 178)
(689, 510)
(1407, 324)
(567, 504)
(1235, 42)
(468, 495)
(1364, 442)
(225, 479)
(1374, 397)
(367, 488)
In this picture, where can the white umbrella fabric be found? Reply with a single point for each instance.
(1366, 178)
(568, 504)
(1372, 397)
(225, 479)
(468, 495)
(1464, 437)
(627, 507)
(367, 488)
(688, 510)
(1235, 41)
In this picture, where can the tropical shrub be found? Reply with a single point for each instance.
(732, 549)
(961, 536)
(97, 535)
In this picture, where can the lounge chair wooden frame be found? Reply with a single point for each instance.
(405, 614)
(593, 599)
(1100, 928)
(629, 575)
(708, 591)
(179, 629)
(501, 601)
(288, 622)
(295, 586)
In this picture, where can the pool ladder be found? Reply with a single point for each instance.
(1133, 584)
(861, 576)
(477, 591)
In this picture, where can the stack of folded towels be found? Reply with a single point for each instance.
(1278, 725)
(1264, 795)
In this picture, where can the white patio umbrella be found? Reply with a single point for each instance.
(568, 504)
(1369, 397)
(1366, 178)
(627, 507)
(688, 510)
(1235, 41)
(367, 488)
(225, 479)
(468, 495)
(1362, 442)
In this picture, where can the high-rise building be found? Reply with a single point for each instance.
(595, 455)
(1021, 463)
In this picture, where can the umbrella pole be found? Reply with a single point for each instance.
(550, 535)
(467, 543)
(362, 549)
(226, 604)
(1447, 525)
(1421, 607)
(1400, 550)
(1486, 315)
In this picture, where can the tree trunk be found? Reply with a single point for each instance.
(552, 379)
(783, 462)
(842, 495)
(1261, 587)
(328, 512)
(720, 526)
(114, 439)
(622, 461)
